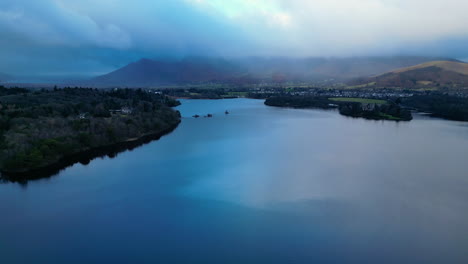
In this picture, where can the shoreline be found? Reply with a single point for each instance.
(350, 107)
(202, 98)
(341, 114)
(83, 157)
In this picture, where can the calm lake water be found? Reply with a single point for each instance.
(261, 185)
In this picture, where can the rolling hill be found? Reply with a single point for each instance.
(434, 74)
(147, 72)
(199, 70)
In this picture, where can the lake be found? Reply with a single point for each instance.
(260, 185)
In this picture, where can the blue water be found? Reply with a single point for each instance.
(260, 185)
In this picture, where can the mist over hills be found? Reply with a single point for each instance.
(434, 74)
(146, 72)
(5, 77)
(199, 70)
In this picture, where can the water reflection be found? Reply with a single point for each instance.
(260, 185)
(83, 158)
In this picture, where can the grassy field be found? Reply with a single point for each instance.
(239, 94)
(362, 85)
(389, 117)
(358, 100)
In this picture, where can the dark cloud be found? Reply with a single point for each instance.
(67, 37)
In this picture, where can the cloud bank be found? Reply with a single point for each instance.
(88, 36)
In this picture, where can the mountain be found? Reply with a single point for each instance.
(147, 72)
(349, 68)
(196, 70)
(434, 74)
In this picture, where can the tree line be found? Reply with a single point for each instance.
(39, 127)
(392, 110)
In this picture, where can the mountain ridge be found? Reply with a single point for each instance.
(199, 70)
(446, 74)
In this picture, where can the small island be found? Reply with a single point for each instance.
(372, 109)
(45, 129)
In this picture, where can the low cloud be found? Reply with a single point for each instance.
(100, 35)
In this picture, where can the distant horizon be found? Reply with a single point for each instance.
(83, 75)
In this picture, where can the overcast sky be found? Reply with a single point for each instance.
(95, 36)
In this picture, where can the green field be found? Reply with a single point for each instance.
(365, 85)
(358, 100)
(238, 94)
(389, 117)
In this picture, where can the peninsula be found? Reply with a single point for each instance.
(353, 107)
(44, 129)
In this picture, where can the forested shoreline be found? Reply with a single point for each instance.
(440, 105)
(44, 127)
(355, 107)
